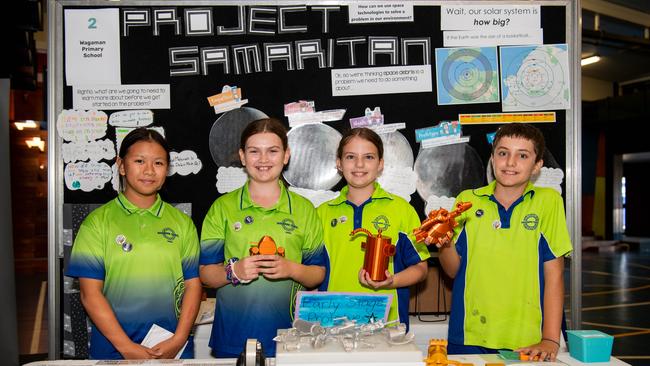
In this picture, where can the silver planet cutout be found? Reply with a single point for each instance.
(397, 150)
(313, 157)
(226, 133)
(448, 170)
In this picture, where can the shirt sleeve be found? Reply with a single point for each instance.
(553, 226)
(313, 249)
(87, 258)
(412, 222)
(191, 252)
(213, 235)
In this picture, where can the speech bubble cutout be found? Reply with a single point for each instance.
(87, 176)
(184, 163)
(115, 178)
(549, 177)
(230, 178)
(316, 197)
(81, 126)
(399, 180)
(84, 151)
(134, 118)
(436, 202)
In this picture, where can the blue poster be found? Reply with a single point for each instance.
(324, 307)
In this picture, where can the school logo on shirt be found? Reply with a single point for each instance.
(288, 225)
(168, 234)
(381, 222)
(531, 221)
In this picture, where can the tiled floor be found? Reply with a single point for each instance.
(616, 300)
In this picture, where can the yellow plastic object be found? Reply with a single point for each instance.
(437, 354)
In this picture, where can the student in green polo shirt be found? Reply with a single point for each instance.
(256, 293)
(508, 256)
(136, 258)
(363, 203)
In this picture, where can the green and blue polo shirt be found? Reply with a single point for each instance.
(143, 256)
(258, 309)
(395, 217)
(498, 293)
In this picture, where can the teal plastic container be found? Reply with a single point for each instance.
(590, 345)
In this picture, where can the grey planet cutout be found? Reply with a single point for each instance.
(226, 133)
(313, 157)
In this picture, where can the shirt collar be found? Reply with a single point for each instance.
(488, 190)
(378, 193)
(283, 204)
(156, 209)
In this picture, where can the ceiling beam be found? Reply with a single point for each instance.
(616, 11)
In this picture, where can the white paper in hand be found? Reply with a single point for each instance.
(158, 334)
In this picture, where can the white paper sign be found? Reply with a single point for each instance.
(492, 37)
(484, 17)
(380, 12)
(230, 178)
(87, 176)
(92, 150)
(184, 163)
(381, 80)
(92, 46)
(158, 334)
(109, 97)
(135, 118)
(81, 126)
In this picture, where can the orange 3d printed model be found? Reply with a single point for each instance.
(439, 226)
(266, 245)
(437, 354)
(378, 252)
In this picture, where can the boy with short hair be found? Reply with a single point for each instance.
(508, 257)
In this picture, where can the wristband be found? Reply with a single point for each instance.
(231, 275)
(550, 340)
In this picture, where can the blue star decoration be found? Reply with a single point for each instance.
(371, 318)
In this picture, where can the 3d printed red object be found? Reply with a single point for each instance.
(439, 225)
(378, 252)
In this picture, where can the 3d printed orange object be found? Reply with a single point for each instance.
(439, 225)
(266, 245)
(378, 252)
(437, 354)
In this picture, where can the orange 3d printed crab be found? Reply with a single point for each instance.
(266, 245)
(439, 226)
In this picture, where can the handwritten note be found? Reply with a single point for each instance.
(184, 163)
(324, 307)
(230, 178)
(134, 118)
(87, 176)
(81, 126)
(93, 151)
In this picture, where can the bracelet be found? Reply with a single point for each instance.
(550, 340)
(231, 275)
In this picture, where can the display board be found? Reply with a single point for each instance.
(435, 79)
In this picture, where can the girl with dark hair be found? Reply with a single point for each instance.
(260, 244)
(363, 203)
(136, 258)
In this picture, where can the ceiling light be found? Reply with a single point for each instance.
(25, 124)
(589, 60)
(36, 142)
